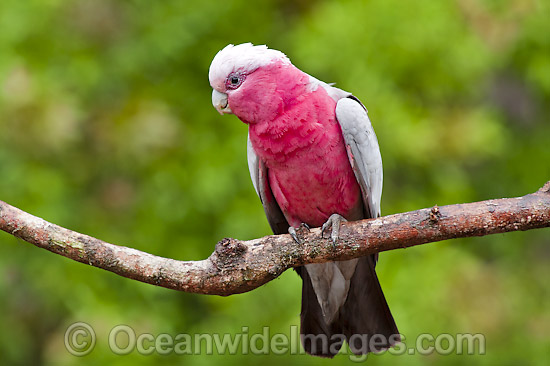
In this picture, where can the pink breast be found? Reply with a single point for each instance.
(313, 192)
(309, 171)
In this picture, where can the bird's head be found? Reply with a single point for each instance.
(233, 76)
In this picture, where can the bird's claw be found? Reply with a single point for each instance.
(292, 231)
(333, 223)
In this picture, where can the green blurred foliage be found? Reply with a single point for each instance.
(106, 128)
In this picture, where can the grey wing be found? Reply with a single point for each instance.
(258, 174)
(363, 151)
(253, 165)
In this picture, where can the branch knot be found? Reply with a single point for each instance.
(435, 214)
(228, 252)
(545, 188)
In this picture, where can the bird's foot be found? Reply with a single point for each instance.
(333, 223)
(292, 231)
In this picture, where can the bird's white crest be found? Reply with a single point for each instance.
(243, 58)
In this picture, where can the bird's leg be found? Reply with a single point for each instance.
(292, 231)
(333, 223)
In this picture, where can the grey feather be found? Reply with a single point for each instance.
(253, 164)
(260, 180)
(363, 151)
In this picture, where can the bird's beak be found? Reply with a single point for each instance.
(219, 101)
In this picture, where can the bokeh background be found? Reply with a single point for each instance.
(106, 127)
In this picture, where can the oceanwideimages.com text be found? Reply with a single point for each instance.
(81, 339)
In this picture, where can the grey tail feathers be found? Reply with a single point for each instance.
(364, 321)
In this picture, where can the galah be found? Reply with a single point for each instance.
(314, 160)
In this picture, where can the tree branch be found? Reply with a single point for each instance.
(239, 266)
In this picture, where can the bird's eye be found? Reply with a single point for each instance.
(234, 81)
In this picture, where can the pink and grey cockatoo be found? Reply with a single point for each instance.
(314, 159)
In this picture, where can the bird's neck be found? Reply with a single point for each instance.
(307, 123)
(286, 113)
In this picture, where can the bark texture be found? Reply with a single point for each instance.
(238, 266)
